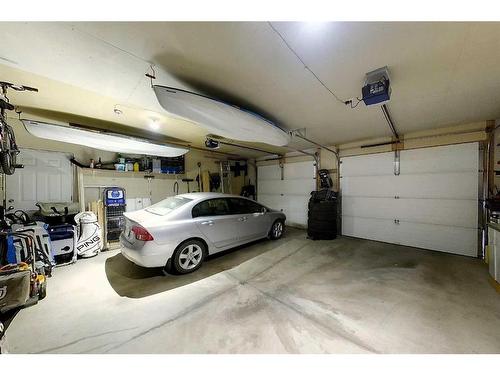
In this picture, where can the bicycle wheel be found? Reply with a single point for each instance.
(8, 162)
(9, 153)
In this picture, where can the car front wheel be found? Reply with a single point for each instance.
(189, 256)
(277, 230)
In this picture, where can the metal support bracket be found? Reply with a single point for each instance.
(397, 163)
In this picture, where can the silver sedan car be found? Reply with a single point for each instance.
(180, 231)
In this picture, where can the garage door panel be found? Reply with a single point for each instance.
(369, 186)
(300, 170)
(432, 204)
(368, 228)
(453, 158)
(270, 186)
(269, 172)
(288, 191)
(462, 241)
(299, 187)
(296, 218)
(434, 211)
(295, 209)
(376, 164)
(445, 185)
(434, 237)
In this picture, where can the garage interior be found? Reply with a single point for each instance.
(412, 264)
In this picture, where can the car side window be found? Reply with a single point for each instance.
(211, 207)
(244, 206)
(254, 207)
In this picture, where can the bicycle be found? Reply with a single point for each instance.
(8, 146)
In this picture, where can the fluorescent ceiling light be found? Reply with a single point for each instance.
(314, 26)
(220, 118)
(101, 140)
(154, 124)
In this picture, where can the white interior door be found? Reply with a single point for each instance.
(432, 204)
(289, 194)
(46, 177)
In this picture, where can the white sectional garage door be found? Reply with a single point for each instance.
(290, 194)
(432, 204)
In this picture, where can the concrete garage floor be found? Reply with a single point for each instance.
(287, 296)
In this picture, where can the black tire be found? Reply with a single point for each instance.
(8, 162)
(322, 211)
(322, 229)
(320, 220)
(181, 264)
(315, 235)
(323, 208)
(322, 217)
(277, 234)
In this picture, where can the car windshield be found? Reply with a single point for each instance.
(168, 205)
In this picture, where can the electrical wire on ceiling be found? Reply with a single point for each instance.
(345, 102)
(349, 102)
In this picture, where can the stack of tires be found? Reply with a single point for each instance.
(322, 216)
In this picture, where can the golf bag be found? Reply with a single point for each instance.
(19, 243)
(89, 240)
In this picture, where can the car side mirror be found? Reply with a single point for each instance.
(263, 210)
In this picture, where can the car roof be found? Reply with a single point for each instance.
(207, 195)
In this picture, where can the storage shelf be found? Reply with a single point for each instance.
(90, 171)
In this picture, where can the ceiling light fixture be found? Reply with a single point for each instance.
(101, 140)
(117, 111)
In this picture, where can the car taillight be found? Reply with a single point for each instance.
(141, 233)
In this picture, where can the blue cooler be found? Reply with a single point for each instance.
(62, 239)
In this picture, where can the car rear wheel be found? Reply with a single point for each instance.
(277, 230)
(189, 256)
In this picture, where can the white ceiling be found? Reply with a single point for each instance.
(442, 73)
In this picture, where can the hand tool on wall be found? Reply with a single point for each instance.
(199, 177)
(188, 180)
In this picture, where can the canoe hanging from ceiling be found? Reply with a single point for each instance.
(220, 118)
(101, 140)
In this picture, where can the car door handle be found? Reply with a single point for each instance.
(209, 222)
(244, 218)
